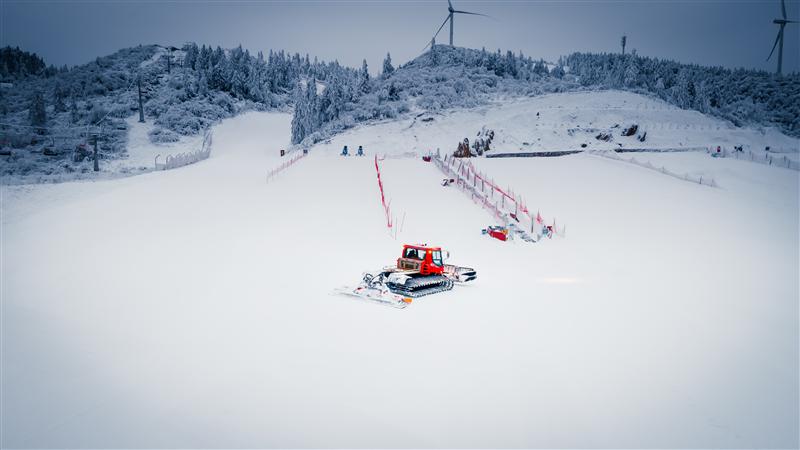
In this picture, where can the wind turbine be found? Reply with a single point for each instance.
(779, 40)
(450, 13)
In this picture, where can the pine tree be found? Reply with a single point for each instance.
(683, 90)
(255, 87)
(218, 78)
(393, 93)
(192, 54)
(363, 84)
(299, 118)
(387, 66)
(631, 76)
(203, 59)
(540, 68)
(511, 64)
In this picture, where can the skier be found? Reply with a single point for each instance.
(344, 151)
(360, 151)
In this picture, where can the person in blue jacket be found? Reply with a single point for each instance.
(344, 151)
(360, 151)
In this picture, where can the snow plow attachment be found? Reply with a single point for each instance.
(373, 288)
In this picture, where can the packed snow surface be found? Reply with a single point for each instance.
(192, 307)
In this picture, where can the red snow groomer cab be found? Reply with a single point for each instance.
(425, 260)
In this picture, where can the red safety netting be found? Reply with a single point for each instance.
(501, 203)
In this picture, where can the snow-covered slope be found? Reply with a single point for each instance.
(192, 307)
(564, 122)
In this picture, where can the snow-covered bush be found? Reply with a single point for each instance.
(97, 114)
(160, 135)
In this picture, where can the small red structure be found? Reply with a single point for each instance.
(498, 235)
(497, 232)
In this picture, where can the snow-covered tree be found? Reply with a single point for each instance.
(192, 54)
(203, 59)
(363, 84)
(631, 76)
(388, 68)
(305, 119)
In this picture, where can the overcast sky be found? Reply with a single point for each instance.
(730, 33)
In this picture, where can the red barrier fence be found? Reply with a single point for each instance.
(383, 196)
(284, 166)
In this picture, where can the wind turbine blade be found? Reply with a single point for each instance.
(440, 28)
(449, 4)
(437, 32)
(783, 8)
(474, 14)
(774, 45)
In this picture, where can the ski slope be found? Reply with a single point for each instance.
(192, 307)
